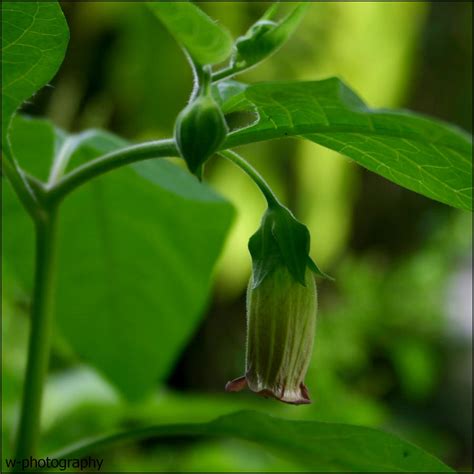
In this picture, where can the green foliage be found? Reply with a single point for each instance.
(265, 37)
(104, 285)
(224, 90)
(137, 247)
(33, 139)
(206, 42)
(320, 447)
(34, 40)
(135, 222)
(421, 154)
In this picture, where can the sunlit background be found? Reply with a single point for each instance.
(394, 336)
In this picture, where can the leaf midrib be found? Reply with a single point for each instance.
(235, 137)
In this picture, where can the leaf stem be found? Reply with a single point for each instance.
(258, 179)
(61, 159)
(21, 186)
(108, 162)
(39, 336)
(225, 73)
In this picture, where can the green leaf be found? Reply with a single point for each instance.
(424, 155)
(179, 182)
(266, 37)
(202, 37)
(222, 91)
(135, 261)
(140, 274)
(87, 145)
(34, 40)
(316, 446)
(32, 139)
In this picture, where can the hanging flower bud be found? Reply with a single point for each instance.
(200, 129)
(281, 322)
(281, 308)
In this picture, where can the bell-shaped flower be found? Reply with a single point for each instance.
(281, 324)
(281, 309)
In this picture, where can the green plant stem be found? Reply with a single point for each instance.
(44, 213)
(20, 185)
(103, 164)
(264, 187)
(225, 73)
(40, 335)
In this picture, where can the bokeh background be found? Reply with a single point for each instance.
(394, 337)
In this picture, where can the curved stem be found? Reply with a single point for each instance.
(202, 77)
(270, 196)
(61, 160)
(39, 337)
(115, 159)
(21, 186)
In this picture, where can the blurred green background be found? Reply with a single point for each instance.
(394, 337)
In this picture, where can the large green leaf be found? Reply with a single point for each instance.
(317, 446)
(34, 40)
(421, 154)
(202, 37)
(135, 259)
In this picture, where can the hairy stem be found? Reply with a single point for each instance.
(103, 164)
(258, 179)
(40, 335)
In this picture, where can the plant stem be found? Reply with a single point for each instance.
(61, 160)
(224, 73)
(45, 214)
(40, 335)
(115, 159)
(20, 185)
(264, 187)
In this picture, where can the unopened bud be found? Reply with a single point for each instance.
(200, 130)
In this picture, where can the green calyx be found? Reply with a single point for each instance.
(281, 240)
(200, 128)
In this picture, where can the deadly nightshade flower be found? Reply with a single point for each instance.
(281, 320)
